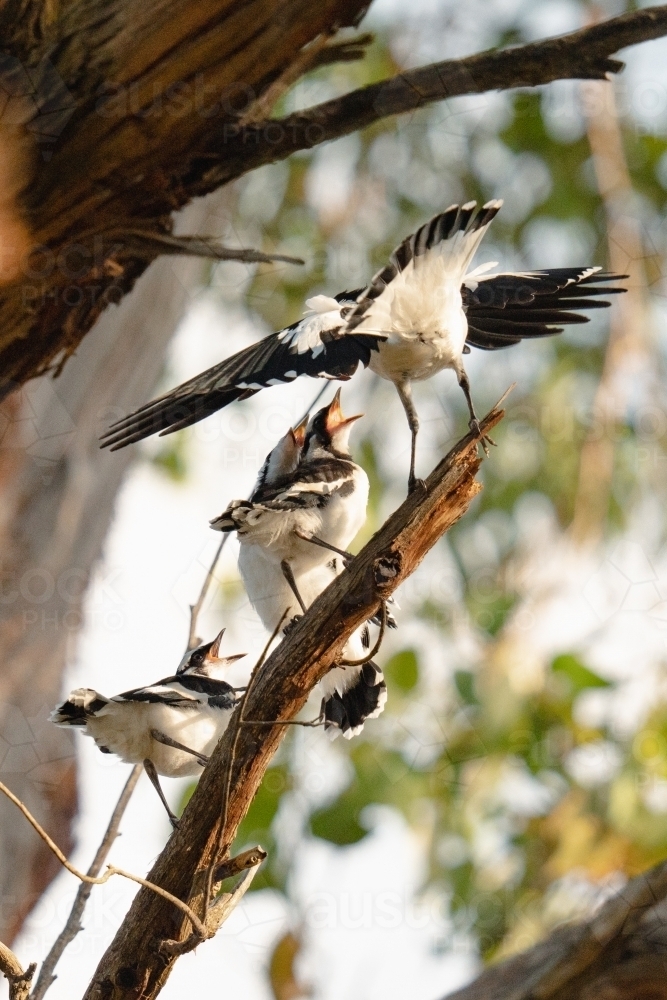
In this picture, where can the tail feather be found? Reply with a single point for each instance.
(364, 699)
(82, 704)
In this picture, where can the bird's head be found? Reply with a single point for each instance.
(284, 458)
(206, 659)
(329, 431)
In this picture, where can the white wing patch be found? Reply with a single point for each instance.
(323, 313)
(425, 297)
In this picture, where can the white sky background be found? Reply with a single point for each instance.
(370, 945)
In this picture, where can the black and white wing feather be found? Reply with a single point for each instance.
(503, 309)
(407, 293)
(314, 346)
(312, 485)
(187, 690)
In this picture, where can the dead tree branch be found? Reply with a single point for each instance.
(111, 869)
(18, 979)
(620, 952)
(581, 55)
(74, 926)
(136, 963)
(170, 127)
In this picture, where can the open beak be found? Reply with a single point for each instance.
(335, 418)
(214, 651)
(299, 432)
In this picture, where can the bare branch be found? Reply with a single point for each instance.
(193, 639)
(73, 926)
(581, 55)
(150, 244)
(111, 869)
(315, 644)
(18, 979)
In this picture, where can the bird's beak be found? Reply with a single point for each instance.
(299, 432)
(335, 418)
(214, 651)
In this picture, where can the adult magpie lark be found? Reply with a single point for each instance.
(420, 314)
(171, 726)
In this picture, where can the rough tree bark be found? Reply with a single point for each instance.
(619, 954)
(57, 492)
(136, 108)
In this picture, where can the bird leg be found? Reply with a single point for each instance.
(289, 576)
(473, 423)
(405, 394)
(376, 648)
(319, 721)
(347, 556)
(168, 742)
(149, 768)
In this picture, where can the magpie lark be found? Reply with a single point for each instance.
(171, 726)
(293, 536)
(419, 315)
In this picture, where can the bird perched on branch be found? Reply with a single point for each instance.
(419, 315)
(171, 727)
(308, 505)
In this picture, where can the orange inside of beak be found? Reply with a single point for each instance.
(299, 432)
(335, 418)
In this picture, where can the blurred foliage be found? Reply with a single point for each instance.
(529, 787)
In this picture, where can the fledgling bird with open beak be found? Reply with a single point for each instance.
(323, 497)
(293, 533)
(171, 727)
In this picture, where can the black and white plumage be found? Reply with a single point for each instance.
(419, 315)
(190, 709)
(323, 496)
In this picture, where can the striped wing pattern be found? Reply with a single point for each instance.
(503, 309)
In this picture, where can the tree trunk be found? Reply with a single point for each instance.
(57, 493)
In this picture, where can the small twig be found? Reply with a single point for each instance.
(19, 981)
(217, 914)
(230, 767)
(304, 60)
(153, 241)
(73, 925)
(376, 648)
(195, 609)
(111, 869)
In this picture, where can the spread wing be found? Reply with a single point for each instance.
(314, 346)
(408, 292)
(502, 309)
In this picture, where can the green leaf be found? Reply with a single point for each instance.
(465, 685)
(402, 670)
(171, 460)
(579, 676)
(381, 777)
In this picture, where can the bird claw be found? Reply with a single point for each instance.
(415, 484)
(291, 624)
(484, 439)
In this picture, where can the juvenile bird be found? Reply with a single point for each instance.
(293, 534)
(171, 727)
(419, 315)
